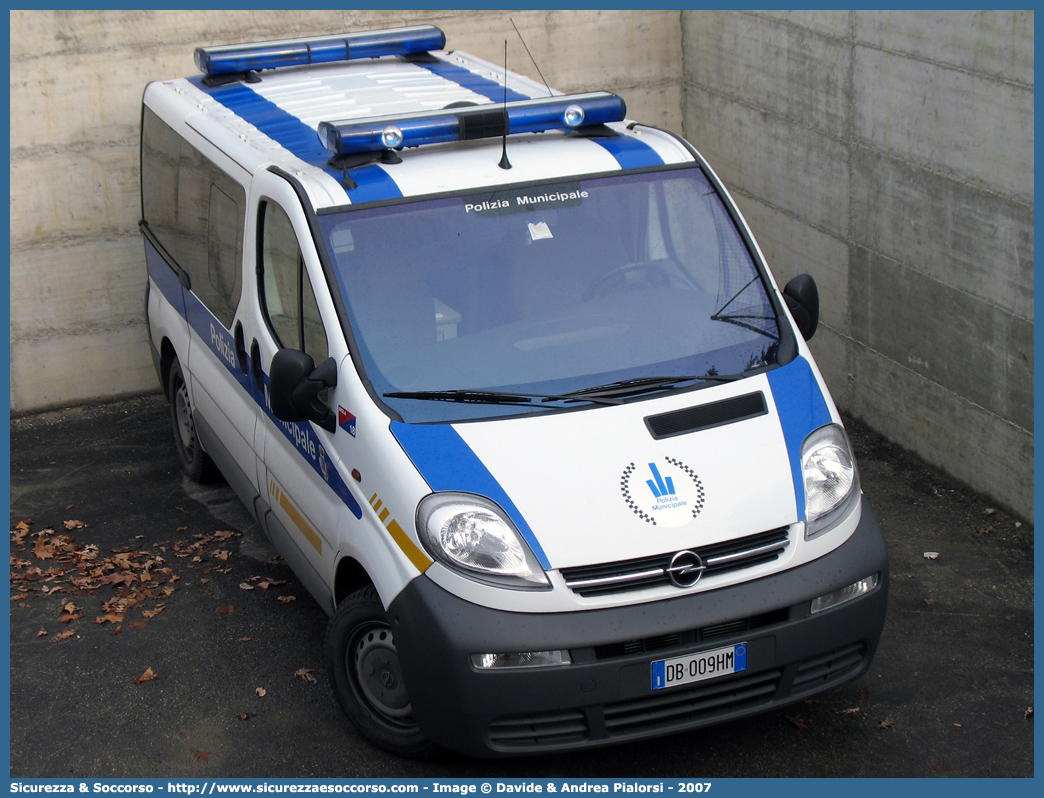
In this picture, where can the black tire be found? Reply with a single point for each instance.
(196, 463)
(367, 679)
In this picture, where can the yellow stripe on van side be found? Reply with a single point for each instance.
(409, 548)
(419, 559)
(300, 523)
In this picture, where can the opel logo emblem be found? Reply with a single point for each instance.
(685, 569)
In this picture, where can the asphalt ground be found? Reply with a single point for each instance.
(212, 666)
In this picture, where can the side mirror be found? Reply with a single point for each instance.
(294, 385)
(802, 298)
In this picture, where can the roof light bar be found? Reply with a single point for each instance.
(235, 58)
(490, 120)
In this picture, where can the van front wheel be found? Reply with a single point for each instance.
(197, 463)
(367, 678)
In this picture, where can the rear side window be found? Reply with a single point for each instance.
(196, 211)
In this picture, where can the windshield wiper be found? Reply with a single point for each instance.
(612, 393)
(497, 397)
(463, 395)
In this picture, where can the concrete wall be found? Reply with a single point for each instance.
(890, 155)
(77, 263)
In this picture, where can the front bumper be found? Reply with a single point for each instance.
(605, 695)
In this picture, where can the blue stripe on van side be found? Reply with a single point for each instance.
(164, 278)
(222, 345)
(801, 408)
(446, 462)
(300, 139)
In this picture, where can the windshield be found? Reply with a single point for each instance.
(457, 304)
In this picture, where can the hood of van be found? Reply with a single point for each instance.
(613, 483)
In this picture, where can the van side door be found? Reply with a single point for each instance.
(302, 481)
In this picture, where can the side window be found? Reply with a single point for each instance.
(197, 212)
(287, 296)
(224, 250)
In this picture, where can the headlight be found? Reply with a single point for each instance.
(472, 535)
(831, 481)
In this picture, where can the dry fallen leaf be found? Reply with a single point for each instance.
(73, 524)
(202, 756)
(245, 586)
(261, 692)
(148, 676)
(887, 723)
(287, 599)
(929, 601)
(245, 639)
(63, 635)
(306, 674)
(851, 711)
(225, 610)
(799, 723)
(246, 715)
(931, 555)
(42, 633)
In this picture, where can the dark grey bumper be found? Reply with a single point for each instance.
(605, 696)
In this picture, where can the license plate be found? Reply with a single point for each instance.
(697, 667)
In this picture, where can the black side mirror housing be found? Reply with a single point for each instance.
(294, 385)
(802, 298)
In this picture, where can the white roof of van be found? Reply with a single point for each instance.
(275, 121)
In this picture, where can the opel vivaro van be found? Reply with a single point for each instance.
(506, 379)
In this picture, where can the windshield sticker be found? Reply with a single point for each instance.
(500, 203)
(665, 494)
(539, 231)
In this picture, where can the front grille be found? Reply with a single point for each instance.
(656, 712)
(661, 710)
(687, 639)
(645, 572)
(814, 673)
(539, 729)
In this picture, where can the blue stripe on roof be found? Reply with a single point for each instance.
(630, 153)
(271, 120)
(467, 79)
(300, 139)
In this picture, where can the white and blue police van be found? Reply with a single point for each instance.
(505, 378)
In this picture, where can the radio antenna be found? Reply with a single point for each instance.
(535, 64)
(504, 162)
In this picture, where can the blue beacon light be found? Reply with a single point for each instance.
(237, 58)
(563, 112)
